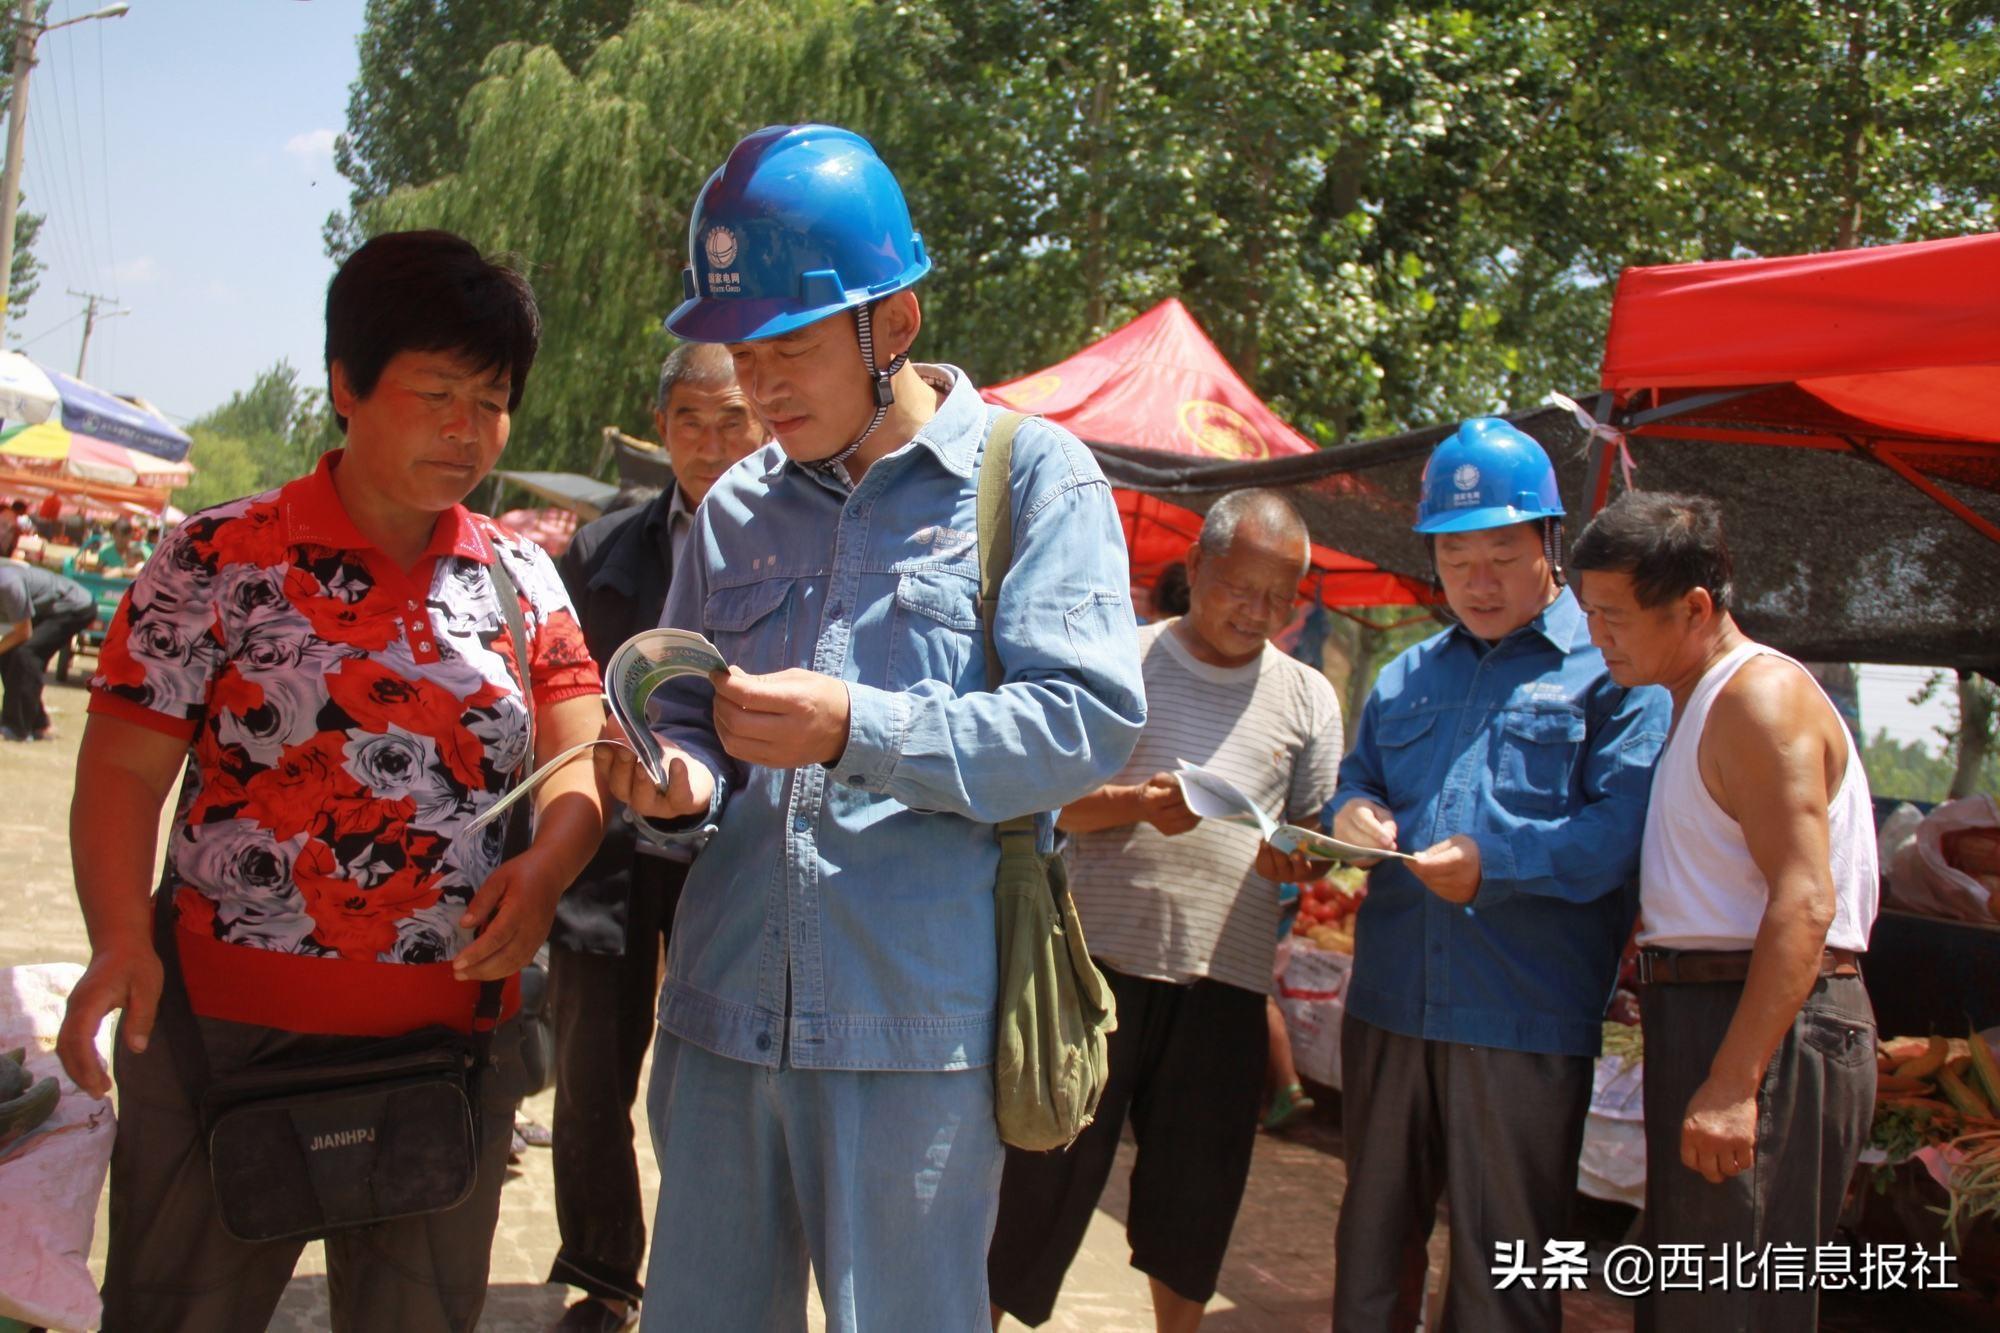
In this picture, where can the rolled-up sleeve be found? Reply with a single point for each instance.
(1070, 709)
(1592, 850)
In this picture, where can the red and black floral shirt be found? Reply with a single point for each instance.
(346, 719)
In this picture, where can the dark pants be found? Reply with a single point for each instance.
(603, 1006)
(1813, 1114)
(171, 1266)
(24, 669)
(1497, 1133)
(1187, 1064)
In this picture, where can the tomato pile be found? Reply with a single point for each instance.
(1327, 907)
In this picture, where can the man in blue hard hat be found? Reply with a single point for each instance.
(820, 1088)
(1504, 759)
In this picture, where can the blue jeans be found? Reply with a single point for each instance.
(886, 1183)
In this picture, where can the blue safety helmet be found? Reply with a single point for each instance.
(802, 222)
(1486, 474)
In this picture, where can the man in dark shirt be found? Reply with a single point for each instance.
(604, 951)
(40, 611)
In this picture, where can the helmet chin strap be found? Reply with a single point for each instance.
(1552, 547)
(885, 392)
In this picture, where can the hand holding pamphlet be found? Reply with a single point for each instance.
(1212, 796)
(642, 664)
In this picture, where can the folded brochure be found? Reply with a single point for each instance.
(642, 664)
(1210, 795)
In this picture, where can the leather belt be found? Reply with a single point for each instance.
(1669, 967)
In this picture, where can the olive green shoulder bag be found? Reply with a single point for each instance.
(1050, 1059)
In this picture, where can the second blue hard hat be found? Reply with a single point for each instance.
(1486, 474)
(801, 222)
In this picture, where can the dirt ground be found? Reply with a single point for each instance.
(1278, 1277)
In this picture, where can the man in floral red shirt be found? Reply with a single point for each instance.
(331, 664)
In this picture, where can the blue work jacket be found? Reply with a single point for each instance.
(1530, 748)
(841, 916)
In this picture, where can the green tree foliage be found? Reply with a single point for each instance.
(1967, 761)
(1911, 771)
(587, 177)
(262, 437)
(26, 278)
(1386, 215)
(418, 59)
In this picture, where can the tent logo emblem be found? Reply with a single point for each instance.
(1034, 389)
(1465, 477)
(1221, 430)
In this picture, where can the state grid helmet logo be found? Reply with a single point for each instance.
(1465, 476)
(720, 243)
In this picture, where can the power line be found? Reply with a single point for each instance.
(90, 317)
(53, 328)
(104, 162)
(82, 167)
(52, 207)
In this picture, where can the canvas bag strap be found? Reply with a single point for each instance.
(996, 552)
(517, 629)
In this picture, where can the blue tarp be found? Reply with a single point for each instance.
(92, 411)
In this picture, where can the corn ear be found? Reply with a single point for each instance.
(1963, 1099)
(1985, 1069)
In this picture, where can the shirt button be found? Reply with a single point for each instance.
(801, 824)
(763, 1041)
(835, 610)
(855, 780)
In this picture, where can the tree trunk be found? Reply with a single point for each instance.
(1975, 732)
(1096, 306)
(1842, 685)
(1848, 231)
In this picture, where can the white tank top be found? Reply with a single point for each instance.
(1698, 887)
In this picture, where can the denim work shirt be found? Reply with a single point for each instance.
(841, 916)
(1531, 749)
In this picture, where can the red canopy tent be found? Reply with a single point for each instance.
(1890, 352)
(1158, 383)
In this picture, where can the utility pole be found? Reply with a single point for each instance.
(90, 318)
(27, 30)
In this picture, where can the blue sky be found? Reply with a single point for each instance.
(183, 157)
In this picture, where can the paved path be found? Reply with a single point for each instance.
(1278, 1277)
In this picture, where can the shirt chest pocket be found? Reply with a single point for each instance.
(1537, 759)
(1406, 754)
(752, 624)
(935, 633)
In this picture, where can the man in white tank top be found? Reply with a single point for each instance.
(1758, 889)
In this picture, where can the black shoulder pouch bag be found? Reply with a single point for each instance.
(302, 1149)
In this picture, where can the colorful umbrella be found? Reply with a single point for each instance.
(26, 393)
(49, 447)
(30, 393)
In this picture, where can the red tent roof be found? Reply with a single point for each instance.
(1158, 383)
(1891, 351)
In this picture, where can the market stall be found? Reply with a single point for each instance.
(1158, 390)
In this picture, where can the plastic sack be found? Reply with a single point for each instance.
(52, 1178)
(1922, 877)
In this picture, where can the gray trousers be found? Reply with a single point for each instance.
(1496, 1132)
(1813, 1115)
(171, 1266)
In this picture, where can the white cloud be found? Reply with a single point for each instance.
(142, 269)
(313, 146)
